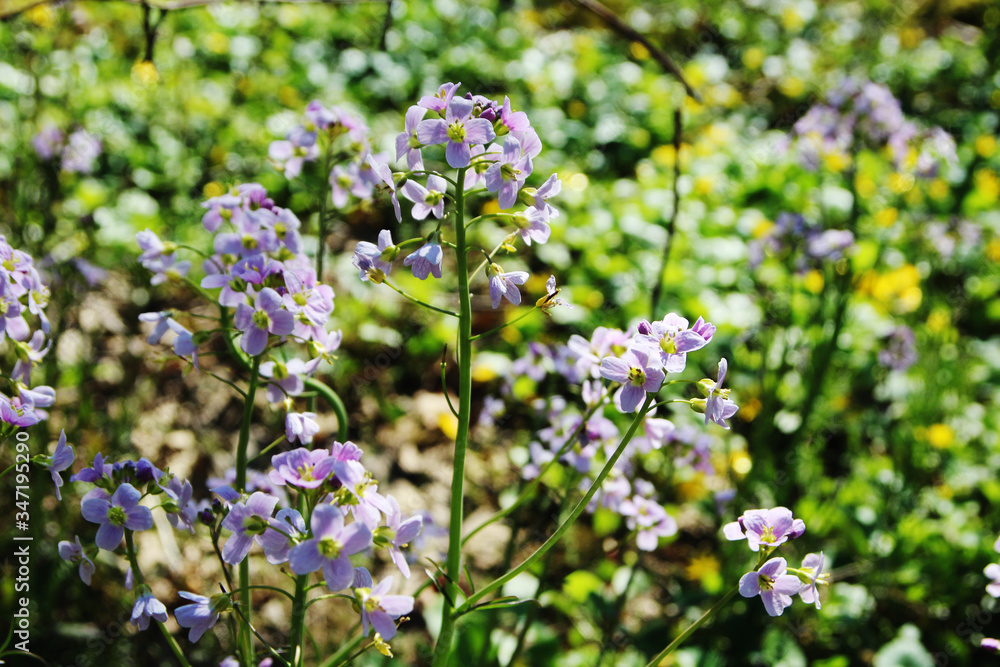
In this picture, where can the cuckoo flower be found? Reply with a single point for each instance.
(116, 514)
(266, 316)
(61, 459)
(276, 541)
(148, 607)
(379, 610)
(650, 518)
(370, 503)
(384, 174)
(426, 200)
(811, 573)
(201, 614)
(329, 547)
(993, 572)
(504, 285)
(638, 370)
(425, 261)
(301, 426)
(512, 121)
(767, 528)
(675, 339)
(718, 406)
(246, 521)
(458, 129)
(439, 101)
(397, 533)
(506, 176)
(774, 587)
(368, 256)
(303, 468)
(407, 143)
(73, 552)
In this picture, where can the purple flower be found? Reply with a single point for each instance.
(14, 411)
(458, 129)
(718, 406)
(899, 351)
(267, 316)
(61, 459)
(329, 547)
(12, 322)
(80, 152)
(539, 198)
(385, 175)
(73, 552)
(359, 483)
(302, 468)
(369, 257)
(675, 339)
(148, 607)
(426, 200)
(275, 542)
(115, 515)
(152, 247)
(48, 142)
(774, 587)
(440, 100)
(650, 518)
(407, 143)
(767, 528)
(246, 521)
(298, 148)
(185, 511)
(507, 175)
(514, 121)
(990, 644)
(94, 473)
(397, 533)
(379, 610)
(301, 426)
(812, 574)
(426, 260)
(200, 615)
(638, 373)
(993, 572)
(504, 285)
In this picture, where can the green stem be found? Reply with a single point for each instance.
(321, 223)
(299, 605)
(335, 402)
(570, 520)
(453, 563)
(503, 326)
(245, 636)
(337, 658)
(529, 490)
(682, 637)
(139, 581)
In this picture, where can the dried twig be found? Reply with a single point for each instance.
(630, 33)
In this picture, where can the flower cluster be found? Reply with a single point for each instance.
(261, 272)
(77, 153)
(640, 360)
(24, 330)
(348, 516)
(772, 579)
(799, 242)
(868, 112)
(494, 146)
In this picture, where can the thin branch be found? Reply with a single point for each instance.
(630, 33)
